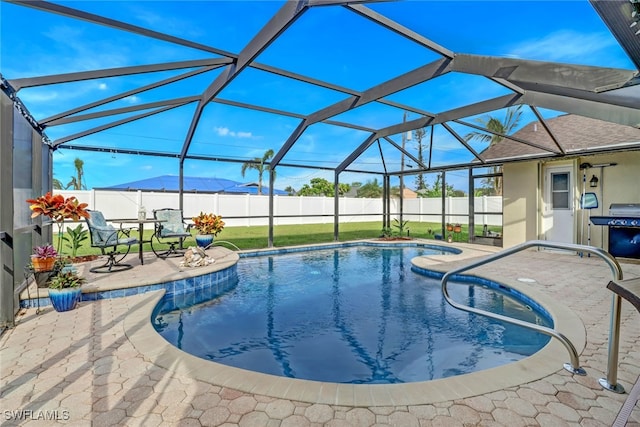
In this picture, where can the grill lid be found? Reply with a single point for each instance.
(624, 209)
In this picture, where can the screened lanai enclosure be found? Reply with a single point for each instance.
(350, 91)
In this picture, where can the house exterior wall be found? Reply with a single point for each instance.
(616, 184)
(521, 202)
(523, 195)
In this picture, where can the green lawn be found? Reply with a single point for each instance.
(255, 237)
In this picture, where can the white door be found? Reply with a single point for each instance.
(558, 216)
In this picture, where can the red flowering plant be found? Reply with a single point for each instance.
(58, 209)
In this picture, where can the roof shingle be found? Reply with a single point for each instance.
(575, 134)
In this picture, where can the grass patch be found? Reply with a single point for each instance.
(256, 237)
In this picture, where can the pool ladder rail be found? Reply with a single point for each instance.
(608, 383)
(220, 243)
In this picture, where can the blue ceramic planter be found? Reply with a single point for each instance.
(69, 268)
(64, 299)
(204, 240)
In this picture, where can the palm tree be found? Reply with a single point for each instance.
(76, 181)
(493, 124)
(259, 165)
(418, 135)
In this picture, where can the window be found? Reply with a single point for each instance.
(560, 190)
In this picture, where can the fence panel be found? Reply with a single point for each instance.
(245, 210)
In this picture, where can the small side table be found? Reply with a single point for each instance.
(37, 277)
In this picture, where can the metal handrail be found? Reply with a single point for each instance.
(574, 365)
(217, 242)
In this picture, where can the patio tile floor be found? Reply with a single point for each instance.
(83, 368)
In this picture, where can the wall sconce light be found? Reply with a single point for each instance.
(593, 182)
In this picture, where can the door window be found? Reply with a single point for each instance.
(560, 190)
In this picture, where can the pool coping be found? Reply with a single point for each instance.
(137, 281)
(549, 360)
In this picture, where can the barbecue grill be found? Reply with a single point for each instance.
(624, 229)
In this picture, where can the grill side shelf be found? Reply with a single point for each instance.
(616, 221)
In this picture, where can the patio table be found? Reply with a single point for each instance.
(141, 223)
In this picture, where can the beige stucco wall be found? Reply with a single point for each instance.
(520, 202)
(523, 199)
(616, 184)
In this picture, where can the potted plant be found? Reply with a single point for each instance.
(65, 291)
(43, 258)
(74, 238)
(207, 225)
(58, 209)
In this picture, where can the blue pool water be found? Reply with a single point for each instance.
(352, 315)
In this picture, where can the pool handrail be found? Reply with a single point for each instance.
(574, 366)
(219, 242)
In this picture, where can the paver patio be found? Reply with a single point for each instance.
(83, 368)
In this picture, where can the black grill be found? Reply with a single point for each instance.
(624, 229)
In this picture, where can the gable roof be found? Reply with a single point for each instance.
(575, 134)
(170, 183)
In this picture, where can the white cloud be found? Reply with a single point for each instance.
(102, 86)
(222, 131)
(132, 99)
(80, 51)
(35, 97)
(171, 25)
(564, 46)
(225, 131)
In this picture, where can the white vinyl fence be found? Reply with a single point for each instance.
(246, 210)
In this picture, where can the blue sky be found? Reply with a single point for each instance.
(328, 43)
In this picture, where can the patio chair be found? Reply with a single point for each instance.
(172, 230)
(108, 239)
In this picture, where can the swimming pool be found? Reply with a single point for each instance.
(354, 315)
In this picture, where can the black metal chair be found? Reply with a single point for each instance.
(172, 230)
(108, 239)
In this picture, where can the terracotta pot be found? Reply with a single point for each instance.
(42, 264)
(457, 229)
(449, 227)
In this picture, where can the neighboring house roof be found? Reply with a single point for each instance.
(170, 183)
(575, 134)
(408, 193)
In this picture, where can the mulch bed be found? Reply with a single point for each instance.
(79, 259)
(392, 239)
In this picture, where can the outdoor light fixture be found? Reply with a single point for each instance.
(593, 182)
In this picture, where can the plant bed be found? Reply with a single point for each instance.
(81, 258)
